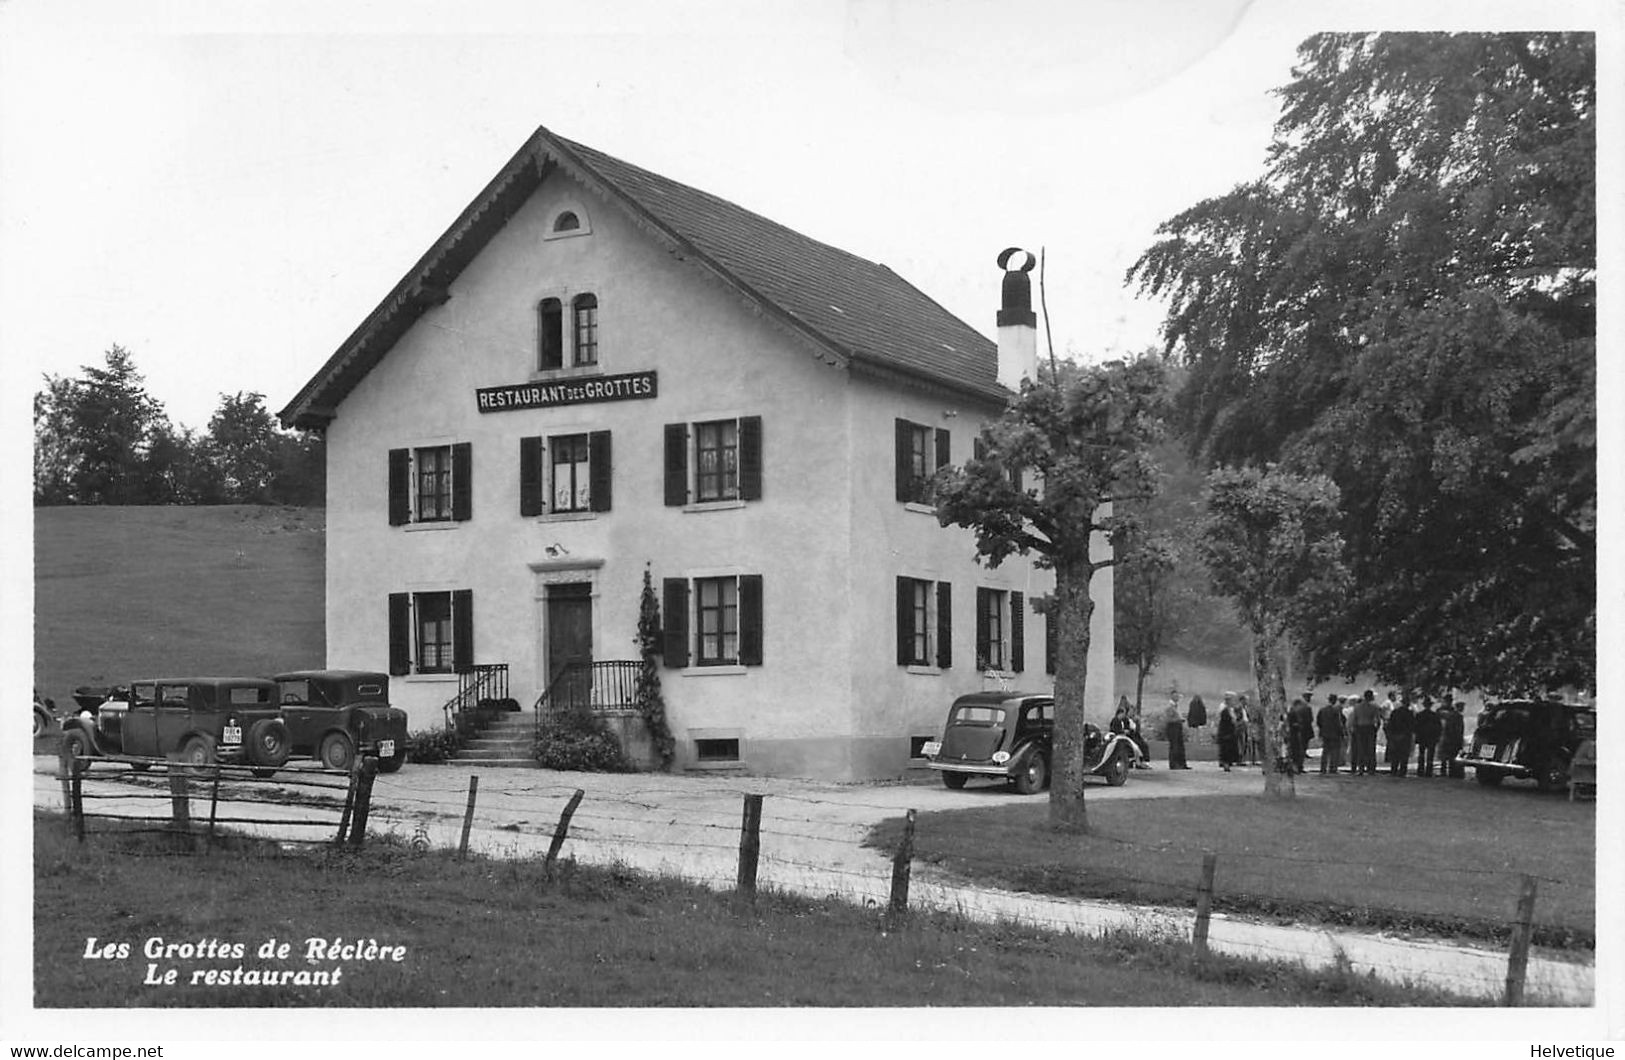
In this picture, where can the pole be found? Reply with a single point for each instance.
(750, 845)
(468, 814)
(559, 832)
(349, 805)
(1204, 904)
(214, 803)
(1518, 958)
(901, 866)
(363, 800)
(180, 808)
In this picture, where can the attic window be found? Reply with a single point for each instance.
(570, 220)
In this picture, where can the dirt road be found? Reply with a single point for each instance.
(811, 843)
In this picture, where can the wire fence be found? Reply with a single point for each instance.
(802, 843)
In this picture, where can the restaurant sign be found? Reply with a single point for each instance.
(579, 391)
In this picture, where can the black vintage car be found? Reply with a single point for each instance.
(1009, 735)
(333, 715)
(1529, 739)
(202, 719)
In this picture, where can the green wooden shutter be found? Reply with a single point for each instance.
(750, 619)
(945, 625)
(944, 448)
(1051, 635)
(531, 493)
(400, 633)
(1018, 632)
(400, 486)
(462, 630)
(462, 482)
(674, 628)
(905, 478)
(676, 465)
(905, 621)
(600, 471)
(750, 458)
(983, 633)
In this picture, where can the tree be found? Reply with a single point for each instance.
(93, 434)
(1406, 302)
(1145, 609)
(1083, 432)
(1270, 543)
(243, 440)
(651, 702)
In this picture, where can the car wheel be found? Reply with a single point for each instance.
(1116, 769)
(198, 754)
(268, 743)
(39, 725)
(1488, 777)
(78, 749)
(336, 751)
(1030, 781)
(954, 780)
(1553, 779)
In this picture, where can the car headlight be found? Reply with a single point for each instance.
(1001, 757)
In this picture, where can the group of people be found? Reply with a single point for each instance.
(1347, 727)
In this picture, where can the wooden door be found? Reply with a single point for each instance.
(569, 640)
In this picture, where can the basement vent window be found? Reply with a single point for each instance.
(716, 750)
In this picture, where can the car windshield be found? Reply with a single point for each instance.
(979, 715)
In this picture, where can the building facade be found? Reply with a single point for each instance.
(598, 372)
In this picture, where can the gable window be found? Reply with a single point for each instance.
(921, 451)
(431, 484)
(584, 311)
(566, 222)
(725, 457)
(565, 473)
(714, 621)
(1000, 630)
(924, 623)
(431, 632)
(550, 334)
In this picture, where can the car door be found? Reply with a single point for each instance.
(174, 716)
(138, 733)
(302, 711)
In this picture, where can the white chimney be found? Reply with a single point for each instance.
(1018, 326)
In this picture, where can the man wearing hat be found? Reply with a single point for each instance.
(1173, 723)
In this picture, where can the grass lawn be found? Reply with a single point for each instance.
(481, 934)
(127, 592)
(1441, 857)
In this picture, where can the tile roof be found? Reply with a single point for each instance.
(861, 312)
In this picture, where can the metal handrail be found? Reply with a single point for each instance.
(599, 686)
(480, 682)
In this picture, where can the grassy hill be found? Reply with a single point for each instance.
(124, 592)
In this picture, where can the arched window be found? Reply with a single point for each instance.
(550, 333)
(585, 308)
(566, 222)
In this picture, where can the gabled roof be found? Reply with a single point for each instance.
(860, 313)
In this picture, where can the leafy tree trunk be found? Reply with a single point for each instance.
(1073, 611)
(1268, 671)
(1139, 687)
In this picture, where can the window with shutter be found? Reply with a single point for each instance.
(945, 625)
(532, 488)
(400, 486)
(1018, 645)
(674, 622)
(400, 633)
(750, 620)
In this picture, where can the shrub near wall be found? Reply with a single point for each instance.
(576, 740)
(433, 746)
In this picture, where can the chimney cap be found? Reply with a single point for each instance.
(1010, 252)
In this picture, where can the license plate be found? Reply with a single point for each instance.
(232, 734)
(386, 748)
(1486, 751)
(930, 749)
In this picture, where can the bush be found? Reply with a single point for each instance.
(577, 740)
(433, 746)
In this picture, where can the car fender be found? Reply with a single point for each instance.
(1117, 740)
(1024, 753)
(88, 727)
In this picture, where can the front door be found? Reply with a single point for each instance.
(569, 640)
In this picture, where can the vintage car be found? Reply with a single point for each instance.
(203, 719)
(44, 715)
(333, 715)
(1529, 739)
(1008, 735)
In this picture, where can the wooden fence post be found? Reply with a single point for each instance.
(468, 814)
(180, 807)
(78, 806)
(363, 800)
(901, 866)
(214, 805)
(750, 846)
(64, 772)
(561, 830)
(349, 805)
(1518, 958)
(1204, 904)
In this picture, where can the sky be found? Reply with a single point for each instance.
(227, 190)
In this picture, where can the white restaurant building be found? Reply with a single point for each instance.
(597, 371)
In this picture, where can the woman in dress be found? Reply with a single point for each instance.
(1229, 751)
